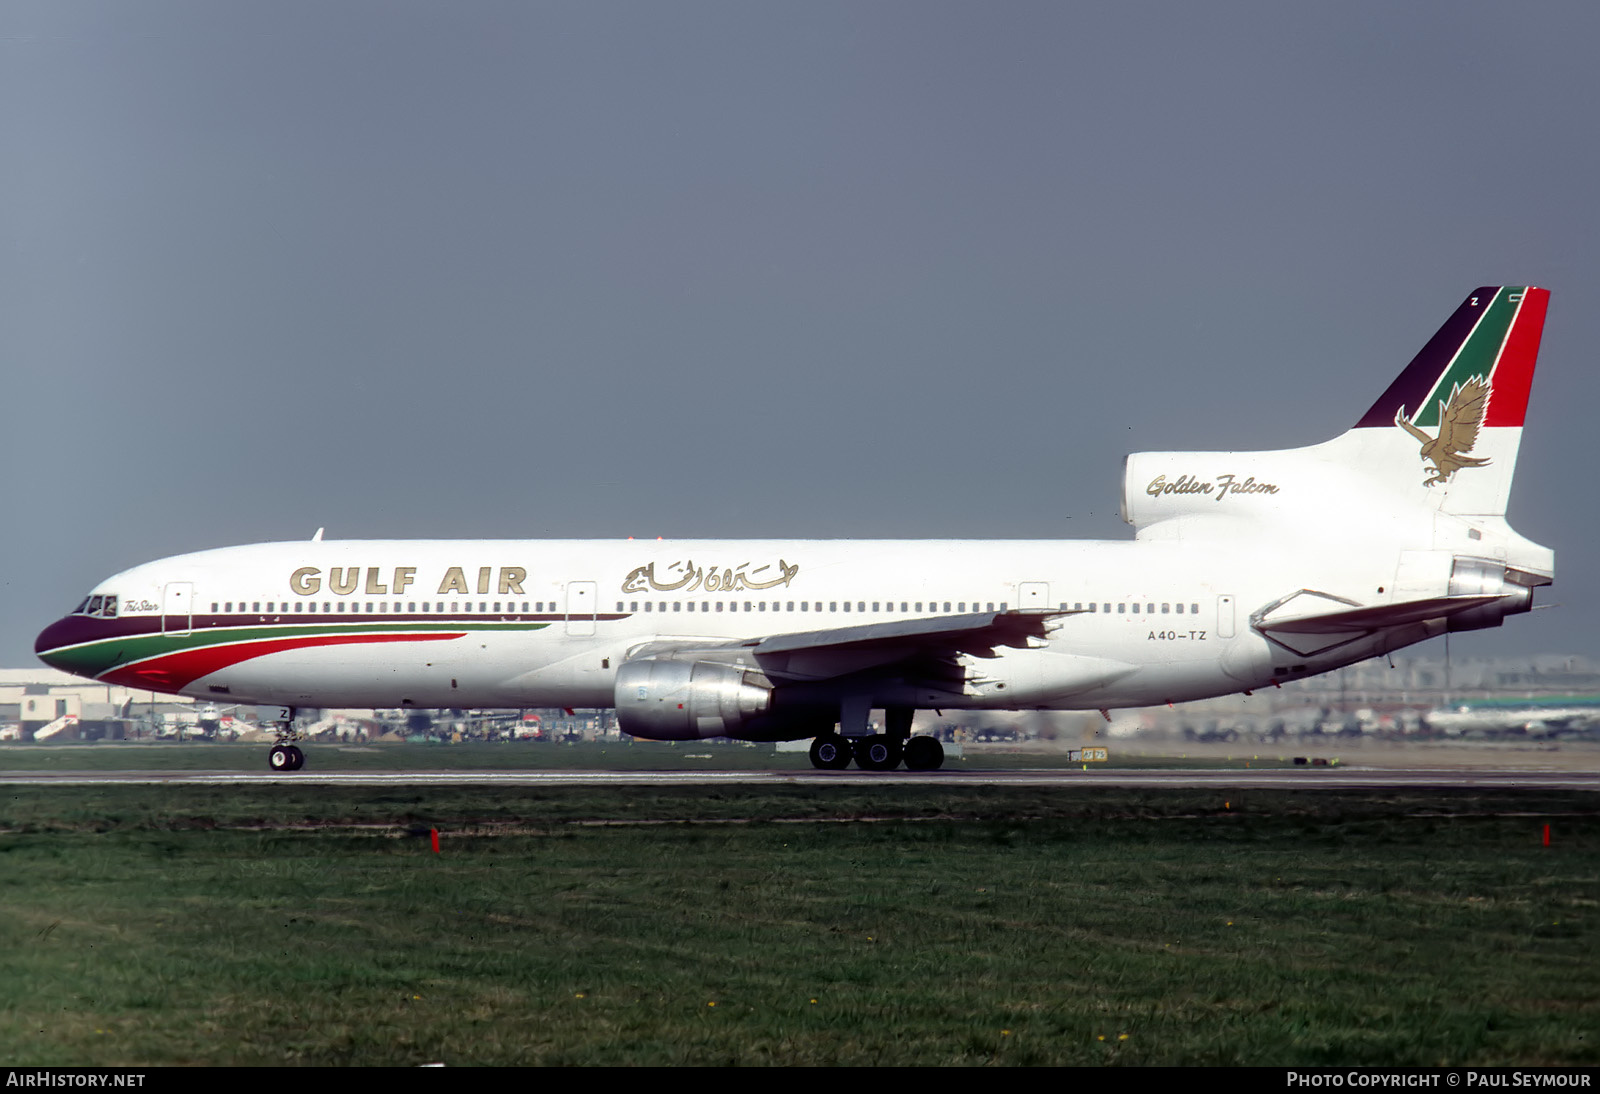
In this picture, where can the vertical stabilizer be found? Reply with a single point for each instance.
(1443, 437)
(1458, 408)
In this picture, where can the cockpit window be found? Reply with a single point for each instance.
(104, 607)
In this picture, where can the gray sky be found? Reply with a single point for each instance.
(754, 269)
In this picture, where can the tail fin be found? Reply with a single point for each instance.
(1444, 436)
(1469, 387)
(1493, 337)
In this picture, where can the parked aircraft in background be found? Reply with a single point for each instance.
(1246, 569)
(1544, 717)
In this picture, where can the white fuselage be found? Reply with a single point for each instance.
(1150, 622)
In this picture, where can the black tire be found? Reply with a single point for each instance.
(297, 759)
(924, 754)
(830, 752)
(280, 759)
(879, 752)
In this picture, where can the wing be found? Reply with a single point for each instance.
(1461, 419)
(1405, 423)
(920, 647)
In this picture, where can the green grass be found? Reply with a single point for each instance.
(159, 925)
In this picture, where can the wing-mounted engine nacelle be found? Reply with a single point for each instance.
(1486, 577)
(666, 700)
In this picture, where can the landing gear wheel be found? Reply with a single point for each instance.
(280, 759)
(297, 759)
(878, 752)
(924, 754)
(830, 752)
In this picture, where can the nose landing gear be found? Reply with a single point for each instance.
(285, 755)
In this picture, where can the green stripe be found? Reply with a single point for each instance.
(1476, 357)
(93, 658)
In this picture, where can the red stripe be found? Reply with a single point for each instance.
(1513, 373)
(176, 670)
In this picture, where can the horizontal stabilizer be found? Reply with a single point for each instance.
(1377, 618)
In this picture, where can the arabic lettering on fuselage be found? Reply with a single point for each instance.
(687, 577)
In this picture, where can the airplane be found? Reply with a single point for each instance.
(1543, 717)
(1246, 569)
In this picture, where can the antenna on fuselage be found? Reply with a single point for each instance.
(318, 537)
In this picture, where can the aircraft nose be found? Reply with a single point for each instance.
(53, 639)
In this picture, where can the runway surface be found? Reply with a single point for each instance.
(1341, 778)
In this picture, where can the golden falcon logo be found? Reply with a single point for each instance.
(1459, 422)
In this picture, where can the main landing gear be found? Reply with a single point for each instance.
(879, 751)
(285, 755)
